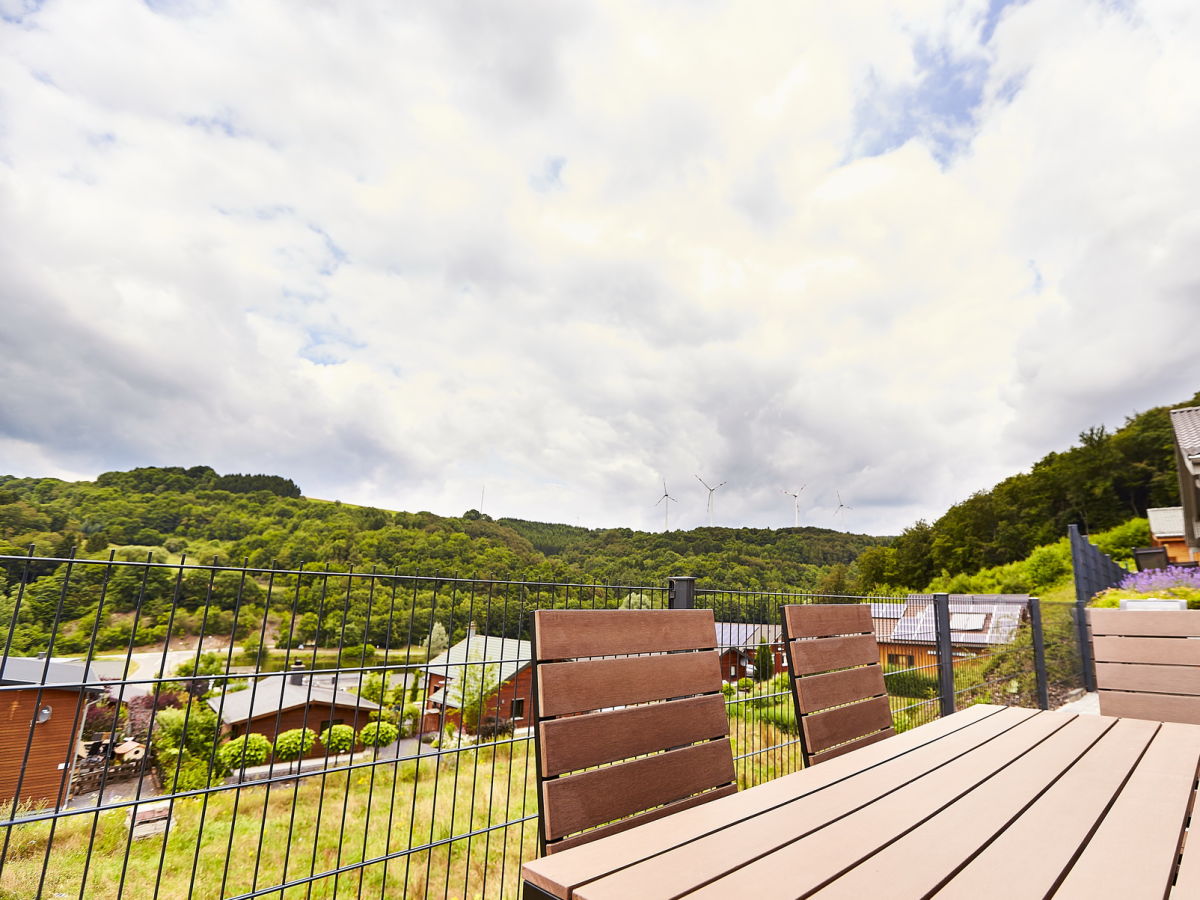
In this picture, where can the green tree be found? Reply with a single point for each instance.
(764, 662)
(471, 690)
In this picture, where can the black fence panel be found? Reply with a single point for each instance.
(182, 729)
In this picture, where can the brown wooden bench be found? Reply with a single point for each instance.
(837, 682)
(1147, 663)
(629, 718)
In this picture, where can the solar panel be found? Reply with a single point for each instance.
(967, 621)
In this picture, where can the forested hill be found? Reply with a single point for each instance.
(265, 520)
(1107, 479)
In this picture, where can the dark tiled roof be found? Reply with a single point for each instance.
(1186, 423)
(276, 693)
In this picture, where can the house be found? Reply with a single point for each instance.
(907, 639)
(286, 700)
(507, 664)
(42, 707)
(737, 644)
(1186, 425)
(1167, 533)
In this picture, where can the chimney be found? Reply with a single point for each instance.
(297, 677)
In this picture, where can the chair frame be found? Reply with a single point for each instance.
(843, 681)
(639, 635)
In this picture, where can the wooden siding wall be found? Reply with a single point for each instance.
(53, 744)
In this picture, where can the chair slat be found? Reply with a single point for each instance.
(850, 745)
(835, 688)
(593, 684)
(575, 802)
(1159, 707)
(625, 824)
(1145, 623)
(580, 742)
(824, 620)
(575, 633)
(823, 654)
(1154, 679)
(835, 726)
(1180, 652)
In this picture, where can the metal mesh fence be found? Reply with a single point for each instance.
(204, 731)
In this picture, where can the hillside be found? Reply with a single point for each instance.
(264, 520)
(1104, 480)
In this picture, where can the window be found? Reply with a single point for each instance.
(903, 660)
(327, 722)
(518, 708)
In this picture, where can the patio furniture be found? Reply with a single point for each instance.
(837, 682)
(634, 698)
(991, 802)
(1147, 663)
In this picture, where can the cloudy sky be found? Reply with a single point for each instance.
(558, 251)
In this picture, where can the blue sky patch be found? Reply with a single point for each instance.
(549, 178)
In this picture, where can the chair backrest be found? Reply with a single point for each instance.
(837, 682)
(1147, 663)
(634, 698)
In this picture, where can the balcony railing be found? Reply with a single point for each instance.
(419, 781)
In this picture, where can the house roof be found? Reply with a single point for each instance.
(1166, 521)
(743, 635)
(59, 675)
(508, 654)
(975, 619)
(1186, 423)
(275, 693)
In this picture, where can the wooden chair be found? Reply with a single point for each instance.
(1147, 663)
(837, 682)
(629, 719)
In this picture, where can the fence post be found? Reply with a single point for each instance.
(681, 592)
(945, 653)
(1039, 652)
(1085, 646)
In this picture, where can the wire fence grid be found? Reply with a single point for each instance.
(186, 730)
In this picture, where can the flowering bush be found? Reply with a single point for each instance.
(1170, 582)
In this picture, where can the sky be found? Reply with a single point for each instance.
(537, 256)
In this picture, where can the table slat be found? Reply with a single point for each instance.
(838, 847)
(1047, 836)
(919, 861)
(558, 873)
(705, 859)
(1132, 854)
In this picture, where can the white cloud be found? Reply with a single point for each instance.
(563, 249)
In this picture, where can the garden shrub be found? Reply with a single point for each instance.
(248, 750)
(338, 738)
(294, 744)
(378, 734)
(745, 684)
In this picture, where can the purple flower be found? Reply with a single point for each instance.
(1161, 579)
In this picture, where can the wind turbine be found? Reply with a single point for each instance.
(711, 491)
(795, 495)
(666, 499)
(840, 505)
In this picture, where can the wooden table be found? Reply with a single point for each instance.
(989, 802)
